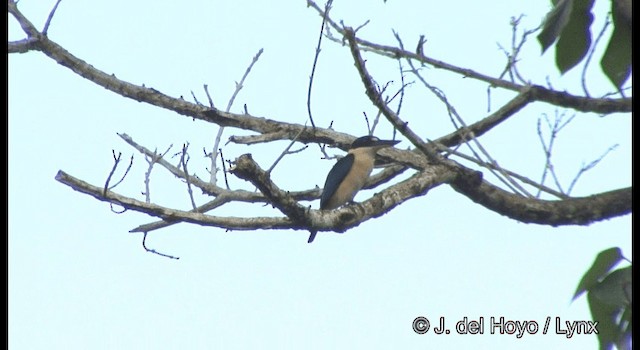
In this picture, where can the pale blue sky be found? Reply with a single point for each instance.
(79, 280)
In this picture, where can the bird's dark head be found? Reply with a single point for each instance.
(372, 142)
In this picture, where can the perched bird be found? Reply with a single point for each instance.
(351, 172)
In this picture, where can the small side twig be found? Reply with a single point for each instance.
(590, 55)
(144, 245)
(206, 90)
(402, 79)
(588, 167)
(224, 169)
(481, 163)
(184, 159)
(123, 175)
(113, 210)
(113, 170)
(286, 150)
(239, 85)
(213, 174)
(151, 160)
(554, 129)
(48, 22)
(327, 7)
(512, 56)
(216, 144)
(366, 119)
(195, 99)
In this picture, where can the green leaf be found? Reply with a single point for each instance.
(615, 289)
(626, 329)
(575, 38)
(610, 305)
(603, 314)
(616, 61)
(605, 260)
(555, 21)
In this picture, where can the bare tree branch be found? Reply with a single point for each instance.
(337, 220)
(215, 203)
(22, 46)
(558, 98)
(521, 178)
(573, 211)
(231, 223)
(214, 190)
(429, 168)
(482, 126)
(496, 170)
(494, 198)
(376, 98)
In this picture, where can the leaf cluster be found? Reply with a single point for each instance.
(569, 22)
(609, 296)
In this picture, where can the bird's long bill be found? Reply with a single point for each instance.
(385, 143)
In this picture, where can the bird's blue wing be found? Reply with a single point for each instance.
(335, 177)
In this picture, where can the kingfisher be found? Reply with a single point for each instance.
(351, 172)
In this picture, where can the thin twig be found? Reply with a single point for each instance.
(144, 245)
(124, 175)
(512, 57)
(590, 55)
(195, 98)
(216, 143)
(521, 178)
(286, 150)
(224, 169)
(206, 90)
(45, 30)
(366, 119)
(327, 7)
(213, 174)
(240, 84)
(115, 211)
(402, 80)
(589, 166)
(554, 130)
(152, 160)
(184, 159)
(376, 120)
(116, 160)
(360, 26)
